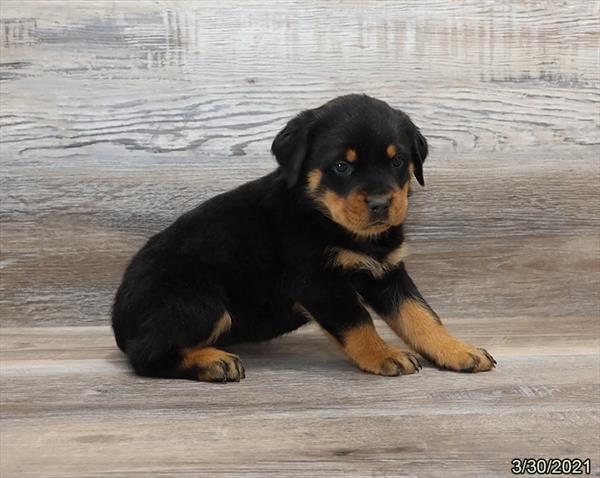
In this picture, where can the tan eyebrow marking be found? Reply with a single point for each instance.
(351, 155)
(391, 151)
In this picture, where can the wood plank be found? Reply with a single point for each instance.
(172, 76)
(66, 413)
(525, 336)
(117, 117)
(486, 240)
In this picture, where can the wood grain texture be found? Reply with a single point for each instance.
(71, 407)
(117, 116)
(485, 240)
(179, 76)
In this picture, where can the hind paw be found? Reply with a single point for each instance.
(213, 365)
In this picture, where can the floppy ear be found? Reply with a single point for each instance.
(419, 151)
(290, 147)
(418, 144)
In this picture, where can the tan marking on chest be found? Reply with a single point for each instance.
(347, 259)
(397, 255)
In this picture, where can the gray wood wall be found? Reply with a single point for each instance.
(118, 116)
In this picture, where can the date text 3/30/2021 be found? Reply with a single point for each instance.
(551, 466)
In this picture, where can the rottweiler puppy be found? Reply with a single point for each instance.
(319, 239)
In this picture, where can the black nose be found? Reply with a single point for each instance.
(379, 205)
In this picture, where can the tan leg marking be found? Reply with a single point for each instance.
(367, 349)
(422, 330)
(213, 365)
(223, 325)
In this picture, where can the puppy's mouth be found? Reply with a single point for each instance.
(376, 227)
(353, 211)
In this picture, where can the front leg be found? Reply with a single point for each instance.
(397, 300)
(336, 308)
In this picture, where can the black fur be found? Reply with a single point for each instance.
(256, 251)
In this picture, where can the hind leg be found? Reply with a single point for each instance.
(157, 354)
(174, 330)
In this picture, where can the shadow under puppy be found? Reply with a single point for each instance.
(320, 238)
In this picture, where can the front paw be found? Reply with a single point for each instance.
(465, 358)
(390, 362)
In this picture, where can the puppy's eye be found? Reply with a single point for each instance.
(342, 168)
(397, 162)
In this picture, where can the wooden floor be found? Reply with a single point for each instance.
(115, 117)
(72, 408)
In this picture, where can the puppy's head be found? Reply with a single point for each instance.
(353, 157)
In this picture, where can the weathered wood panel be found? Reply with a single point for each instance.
(486, 240)
(118, 116)
(202, 76)
(72, 408)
